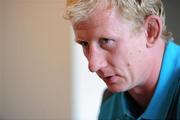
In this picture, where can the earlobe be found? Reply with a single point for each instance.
(153, 29)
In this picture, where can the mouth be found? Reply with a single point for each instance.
(111, 79)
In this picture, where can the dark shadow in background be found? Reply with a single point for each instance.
(172, 8)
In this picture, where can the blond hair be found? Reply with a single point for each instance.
(134, 10)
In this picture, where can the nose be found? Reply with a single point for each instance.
(96, 60)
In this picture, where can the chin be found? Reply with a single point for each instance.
(116, 89)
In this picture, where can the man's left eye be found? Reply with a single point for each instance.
(106, 43)
(104, 40)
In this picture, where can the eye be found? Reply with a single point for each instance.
(84, 44)
(106, 43)
(104, 40)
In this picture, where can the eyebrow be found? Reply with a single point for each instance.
(78, 41)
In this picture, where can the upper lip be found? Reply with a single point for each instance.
(105, 77)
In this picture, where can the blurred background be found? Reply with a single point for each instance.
(43, 74)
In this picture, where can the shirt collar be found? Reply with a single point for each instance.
(162, 97)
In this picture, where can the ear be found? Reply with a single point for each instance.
(153, 29)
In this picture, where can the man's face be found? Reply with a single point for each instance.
(114, 52)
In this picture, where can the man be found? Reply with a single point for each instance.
(127, 45)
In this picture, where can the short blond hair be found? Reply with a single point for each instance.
(133, 10)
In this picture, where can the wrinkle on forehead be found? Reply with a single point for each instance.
(103, 23)
(96, 18)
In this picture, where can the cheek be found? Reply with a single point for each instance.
(128, 54)
(135, 58)
(120, 60)
(137, 63)
(136, 52)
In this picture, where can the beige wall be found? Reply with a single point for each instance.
(36, 61)
(0, 55)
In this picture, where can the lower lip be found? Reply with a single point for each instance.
(112, 80)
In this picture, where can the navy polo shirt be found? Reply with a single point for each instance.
(165, 103)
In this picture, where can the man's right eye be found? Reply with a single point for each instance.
(83, 44)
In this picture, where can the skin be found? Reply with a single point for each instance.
(125, 60)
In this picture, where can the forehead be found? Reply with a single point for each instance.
(102, 22)
(97, 18)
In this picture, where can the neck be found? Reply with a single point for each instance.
(143, 93)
